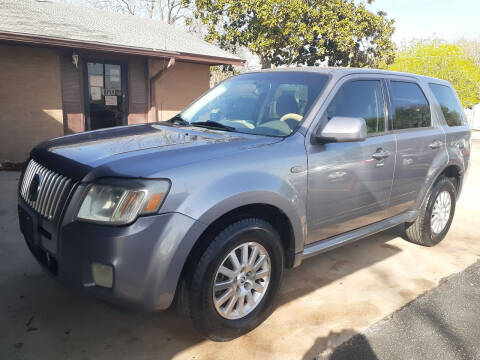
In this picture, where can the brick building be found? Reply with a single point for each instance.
(67, 68)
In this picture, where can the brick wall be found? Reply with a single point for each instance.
(30, 99)
(179, 86)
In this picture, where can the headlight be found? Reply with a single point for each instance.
(120, 201)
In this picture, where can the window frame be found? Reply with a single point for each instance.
(392, 110)
(369, 77)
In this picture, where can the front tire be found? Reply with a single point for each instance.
(230, 290)
(436, 215)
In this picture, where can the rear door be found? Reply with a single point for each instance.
(347, 186)
(419, 140)
(454, 123)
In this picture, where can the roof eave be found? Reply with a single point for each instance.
(78, 44)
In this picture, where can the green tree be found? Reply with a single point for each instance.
(286, 32)
(445, 61)
(471, 47)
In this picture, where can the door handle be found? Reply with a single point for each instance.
(436, 144)
(381, 154)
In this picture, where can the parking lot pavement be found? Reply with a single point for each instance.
(444, 324)
(322, 303)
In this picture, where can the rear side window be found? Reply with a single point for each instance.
(360, 98)
(451, 108)
(410, 106)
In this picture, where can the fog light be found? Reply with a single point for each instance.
(102, 274)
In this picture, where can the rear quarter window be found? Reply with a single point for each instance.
(410, 106)
(451, 108)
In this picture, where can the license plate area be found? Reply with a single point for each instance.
(30, 230)
(27, 224)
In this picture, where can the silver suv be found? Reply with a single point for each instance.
(264, 170)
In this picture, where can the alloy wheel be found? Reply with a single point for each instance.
(441, 212)
(241, 280)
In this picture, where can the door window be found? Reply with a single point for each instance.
(360, 98)
(105, 95)
(410, 106)
(451, 108)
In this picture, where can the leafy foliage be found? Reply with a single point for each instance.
(445, 61)
(471, 47)
(222, 72)
(280, 32)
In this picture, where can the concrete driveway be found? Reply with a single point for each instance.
(324, 302)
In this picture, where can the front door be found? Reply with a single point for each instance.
(348, 184)
(106, 94)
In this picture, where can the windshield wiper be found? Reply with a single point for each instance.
(177, 119)
(213, 125)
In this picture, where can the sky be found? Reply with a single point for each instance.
(414, 19)
(445, 19)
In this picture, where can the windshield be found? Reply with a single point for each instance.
(271, 104)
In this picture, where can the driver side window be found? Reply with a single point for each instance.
(360, 98)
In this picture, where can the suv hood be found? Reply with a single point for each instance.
(139, 150)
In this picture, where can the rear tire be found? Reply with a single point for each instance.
(219, 322)
(433, 222)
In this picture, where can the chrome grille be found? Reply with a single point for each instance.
(51, 191)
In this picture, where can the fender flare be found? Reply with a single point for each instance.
(298, 223)
(432, 179)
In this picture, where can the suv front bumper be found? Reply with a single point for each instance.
(147, 256)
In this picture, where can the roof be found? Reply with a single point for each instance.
(342, 71)
(58, 24)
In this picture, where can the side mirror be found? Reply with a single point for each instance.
(342, 129)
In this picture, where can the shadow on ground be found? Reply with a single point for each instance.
(43, 315)
(326, 347)
(323, 269)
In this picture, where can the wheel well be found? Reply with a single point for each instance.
(269, 213)
(452, 172)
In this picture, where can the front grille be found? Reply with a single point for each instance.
(50, 192)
